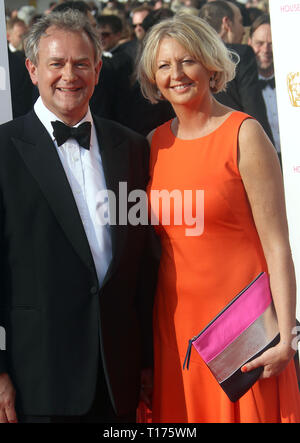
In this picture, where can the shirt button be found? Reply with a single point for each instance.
(93, 290)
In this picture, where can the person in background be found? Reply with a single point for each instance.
(26, 13)
(133, 110)
(15, 31)
(243, 93)
(110, 29)
(260, 40)
(239, 229)
(137, 16)
(78, 5)
(22, 91)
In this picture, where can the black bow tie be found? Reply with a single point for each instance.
(264, 83)
(82, 133)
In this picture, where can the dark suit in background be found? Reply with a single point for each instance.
(243, 93)
(21, 88)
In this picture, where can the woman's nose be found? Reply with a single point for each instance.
(176, 71)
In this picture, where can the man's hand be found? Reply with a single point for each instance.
(7, 400)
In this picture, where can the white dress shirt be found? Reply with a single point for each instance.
(12, 48)
(270, 99)
(85, 174)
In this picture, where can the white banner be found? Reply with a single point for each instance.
(285, 20)
(5, 97)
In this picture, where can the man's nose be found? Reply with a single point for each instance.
(269, 48)
(68, 73)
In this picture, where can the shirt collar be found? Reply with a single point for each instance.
(265, 78)
(46, 117)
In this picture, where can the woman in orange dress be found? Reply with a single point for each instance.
(223, 224)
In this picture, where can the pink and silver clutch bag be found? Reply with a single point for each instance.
(242, 331)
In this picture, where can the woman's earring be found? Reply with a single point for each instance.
(159, 93)
(212, 83)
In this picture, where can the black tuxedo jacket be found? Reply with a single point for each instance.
(59, 323)
(243, 93)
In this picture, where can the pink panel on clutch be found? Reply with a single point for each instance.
(235, 319)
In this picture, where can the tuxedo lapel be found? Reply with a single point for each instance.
(115, 161)
(41, 158)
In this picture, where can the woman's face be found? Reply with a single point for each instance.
(181, 79)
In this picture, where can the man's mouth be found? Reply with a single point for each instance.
(68, 89)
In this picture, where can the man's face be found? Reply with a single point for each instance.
(108, 38)
(236, 29)
(261, 42)
(15, 35)
(137, 20)
(66, 73)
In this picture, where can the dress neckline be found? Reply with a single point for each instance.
(203, 136)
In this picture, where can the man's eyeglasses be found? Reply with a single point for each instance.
(105, 34)
(136, 25)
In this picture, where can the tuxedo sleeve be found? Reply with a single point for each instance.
(147, 281)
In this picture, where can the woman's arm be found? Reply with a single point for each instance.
(262, 178)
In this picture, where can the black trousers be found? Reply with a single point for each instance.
(101, 410)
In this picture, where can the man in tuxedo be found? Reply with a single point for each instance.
(138, 15)
(15, 31)
(75, 293)
(243, 93)
(260, 39)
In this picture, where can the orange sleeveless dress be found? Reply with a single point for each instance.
(200, 274)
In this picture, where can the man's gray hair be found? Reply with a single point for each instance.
(69, 20)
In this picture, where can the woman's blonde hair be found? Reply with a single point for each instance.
(199, 39)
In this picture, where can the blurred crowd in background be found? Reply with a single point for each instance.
(244, 26)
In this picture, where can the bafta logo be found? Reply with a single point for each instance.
(293, 83)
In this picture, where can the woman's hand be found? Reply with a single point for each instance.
(274, 360)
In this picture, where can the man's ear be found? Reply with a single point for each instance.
(225, 28)
(226, 24)
(98, 67)
(32, 69)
